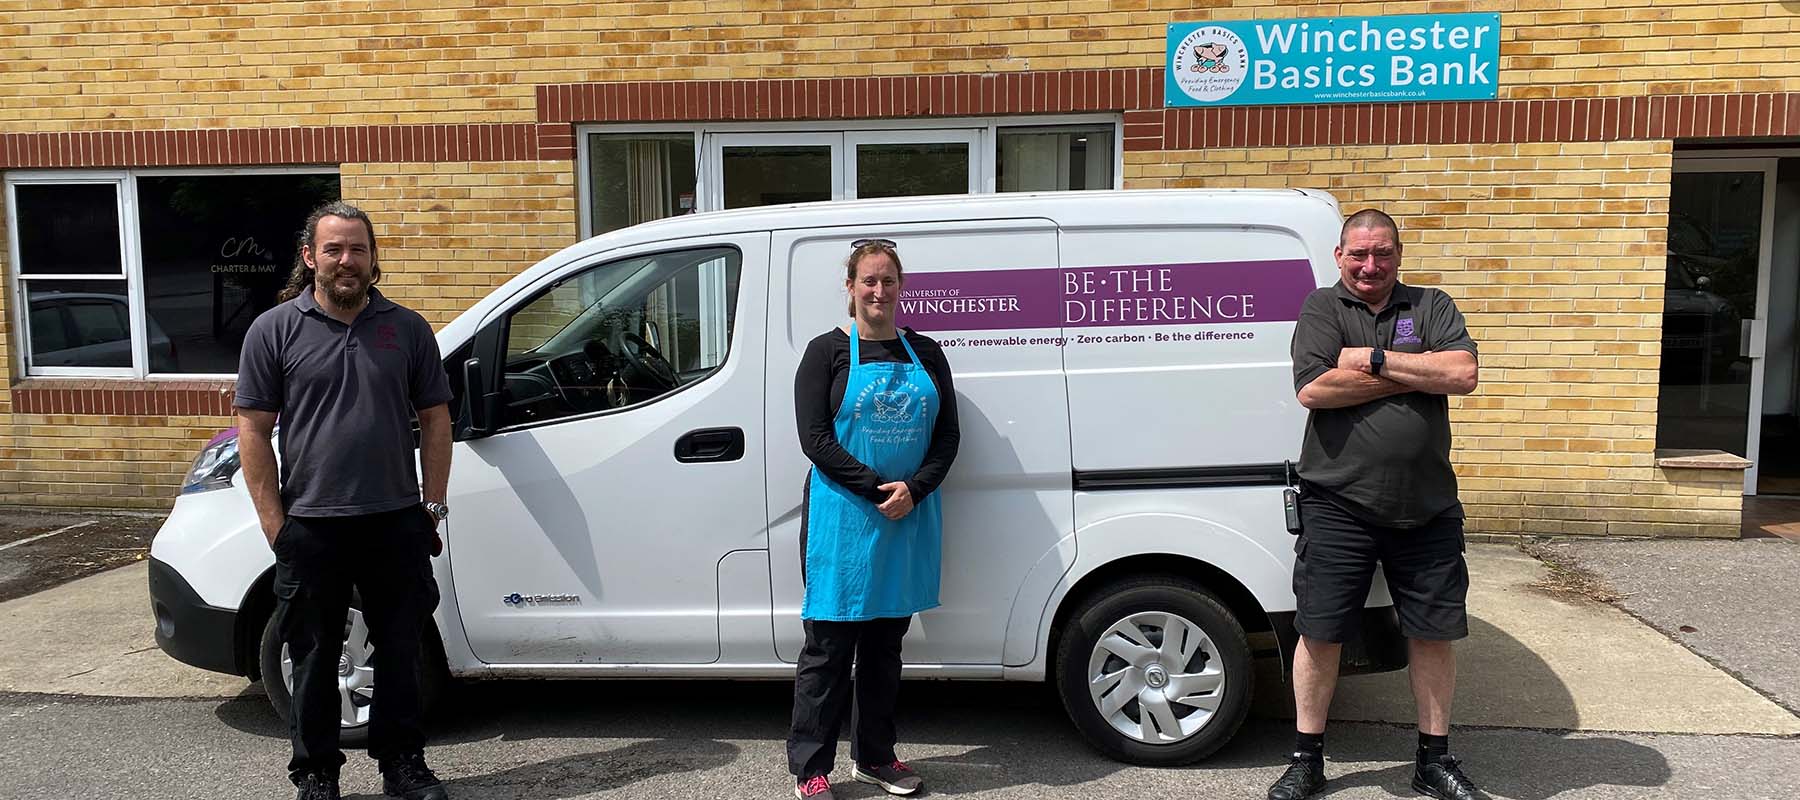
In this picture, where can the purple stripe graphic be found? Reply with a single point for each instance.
(1216, 293)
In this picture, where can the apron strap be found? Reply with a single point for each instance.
(856, 348)
(909, 349)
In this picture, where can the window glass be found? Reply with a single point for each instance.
(216, 250)
(47, 332)
(1054, 159)
(68, 229)
(81, 324)
(639, 177)
(620, 334)
(776, 174)
(907, 170)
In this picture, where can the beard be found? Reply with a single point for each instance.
(344, 298)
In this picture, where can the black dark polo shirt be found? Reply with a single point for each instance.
(346, 395)
(1386, 461)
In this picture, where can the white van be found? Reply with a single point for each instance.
(627, 478)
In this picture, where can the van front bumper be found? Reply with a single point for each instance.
(188, 629)
(1379, 648)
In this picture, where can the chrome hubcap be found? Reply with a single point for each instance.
(1156, 677)
(355, 672)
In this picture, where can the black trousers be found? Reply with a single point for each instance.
(823, 693)
(318, 561)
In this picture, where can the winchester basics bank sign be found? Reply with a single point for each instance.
(1334, 60)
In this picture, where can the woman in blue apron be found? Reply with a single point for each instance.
(877, 418)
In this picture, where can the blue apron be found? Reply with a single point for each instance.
(861, 565)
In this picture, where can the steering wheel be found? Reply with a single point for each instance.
(576, 380)
(642, 364)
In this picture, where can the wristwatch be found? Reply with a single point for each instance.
(1377, 360)
(439, 510)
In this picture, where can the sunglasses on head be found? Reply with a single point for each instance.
(861, 243)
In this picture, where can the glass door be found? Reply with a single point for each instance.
(1715, 306)
(765, 169)
(912, 163)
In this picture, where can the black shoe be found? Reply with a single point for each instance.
(317, 786)
(1305, 776)
(408, 777)
(1443, 778)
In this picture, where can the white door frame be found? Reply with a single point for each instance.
(1752, 345)
(971, 137)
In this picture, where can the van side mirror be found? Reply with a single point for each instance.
(480, 401)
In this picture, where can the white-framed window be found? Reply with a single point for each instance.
(636, 173)
(150, 273)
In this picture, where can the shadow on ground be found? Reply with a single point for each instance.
(1015, 734)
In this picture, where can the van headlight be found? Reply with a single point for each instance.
(215, 466)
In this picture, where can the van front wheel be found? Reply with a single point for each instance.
(355, 678)
(1154, 671)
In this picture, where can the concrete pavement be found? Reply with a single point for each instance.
(1737, 603)
(96, 636)
(1532, 661)
(569, 740)
(1558, 699)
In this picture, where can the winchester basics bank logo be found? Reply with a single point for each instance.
(1210, 64)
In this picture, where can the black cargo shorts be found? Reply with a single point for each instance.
(1335, 561)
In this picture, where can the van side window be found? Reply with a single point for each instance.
(620, 334)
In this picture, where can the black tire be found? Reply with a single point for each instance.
(1117, 602)
(433, 681)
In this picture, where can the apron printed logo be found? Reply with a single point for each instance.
(1404, 331)
(892, 406)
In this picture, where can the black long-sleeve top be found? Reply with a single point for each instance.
(819, 391)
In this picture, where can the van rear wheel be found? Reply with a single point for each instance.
(1155, 671)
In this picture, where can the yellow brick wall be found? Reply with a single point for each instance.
(451, 232)
(143, 64)
(448, 234)
(1555, 253)
(98, 461)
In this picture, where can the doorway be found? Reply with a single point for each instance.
(1732, 286)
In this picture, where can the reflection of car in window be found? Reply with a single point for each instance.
(90, 329)
(620, 334)
(1700, 327)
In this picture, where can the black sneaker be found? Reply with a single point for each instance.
(317, 786)
(1443, 778)
(408, 777)
(895, 778)
(1305, 776)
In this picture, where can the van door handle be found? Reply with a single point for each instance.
(710, 444)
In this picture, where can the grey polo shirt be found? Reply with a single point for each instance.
(1386, 461)
(347, 396)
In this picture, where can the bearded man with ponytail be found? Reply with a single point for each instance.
(346, 370)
